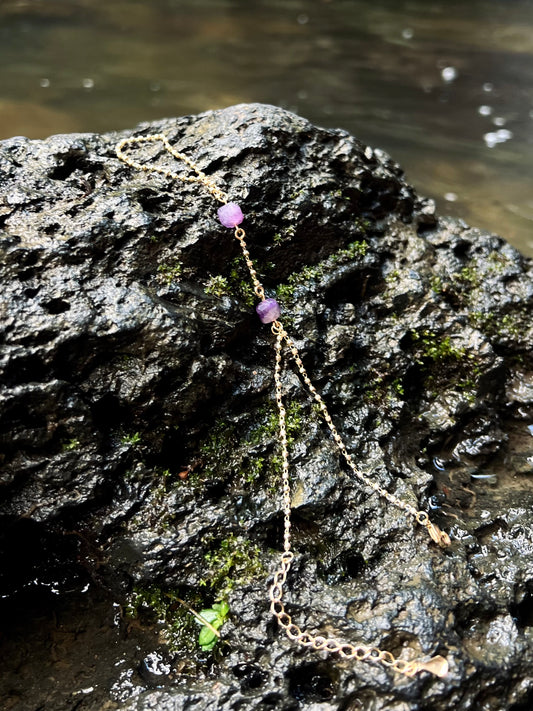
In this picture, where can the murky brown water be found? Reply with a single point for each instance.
(445, 86)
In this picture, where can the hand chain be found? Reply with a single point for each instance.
(437, 665)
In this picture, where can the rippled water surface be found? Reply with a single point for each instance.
(445, 87)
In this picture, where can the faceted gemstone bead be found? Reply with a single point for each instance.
(230, 215)
(268, 310)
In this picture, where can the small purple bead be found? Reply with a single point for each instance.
(268, 310)
(230, 215)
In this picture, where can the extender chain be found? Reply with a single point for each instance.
(230, 215)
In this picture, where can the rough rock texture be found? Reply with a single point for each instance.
(138, 441)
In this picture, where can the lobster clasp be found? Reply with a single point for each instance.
(436, 665)
(441, 538)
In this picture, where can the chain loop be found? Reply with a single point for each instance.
(420, 516)
(277, 607)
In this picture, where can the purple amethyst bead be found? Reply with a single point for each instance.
(268, 310)
(230, 214)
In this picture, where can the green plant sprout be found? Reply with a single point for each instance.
(178, 632)
(132, 439)
(436, 348)
(168, 273)
(217, 286)
(70, 445)
(211, 621)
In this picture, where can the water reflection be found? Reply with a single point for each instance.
(445, 87)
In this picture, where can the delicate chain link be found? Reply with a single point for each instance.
(199, 177)
(240, 234)
(285, 483)
(437, 665)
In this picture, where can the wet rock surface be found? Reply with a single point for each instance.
(138, 441)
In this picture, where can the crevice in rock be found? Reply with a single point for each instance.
(347, 566)
(522, 610)
(250, 676)
(29, 367)
(526, 704)
(31, 292)
(354, 286)
(56, 306)
(311, 682)
(36, 557)
(74, 160)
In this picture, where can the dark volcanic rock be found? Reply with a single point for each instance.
(138, 442)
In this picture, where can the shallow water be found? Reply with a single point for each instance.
(445, 86)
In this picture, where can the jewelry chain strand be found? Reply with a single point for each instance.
(437, 665)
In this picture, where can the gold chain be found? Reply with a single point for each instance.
(198, 177)
(437, 665)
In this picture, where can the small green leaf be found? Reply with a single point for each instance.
(216, 616)
(222, 608)
(209, 615)
(207, 639)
